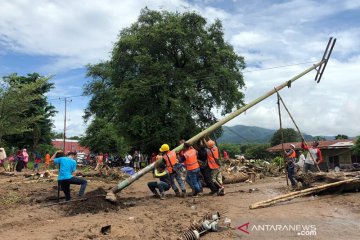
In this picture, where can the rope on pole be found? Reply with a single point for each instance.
(302, 137)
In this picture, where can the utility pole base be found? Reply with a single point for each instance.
(110, 196)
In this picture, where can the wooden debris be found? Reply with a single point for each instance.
(311, 178)
(301, 193)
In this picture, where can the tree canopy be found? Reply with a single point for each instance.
(27, 120)
(290, 135)
(166, 75)
(258, 151)
(341, 136)
(101, 136)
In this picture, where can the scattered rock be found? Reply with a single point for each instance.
(106, 230)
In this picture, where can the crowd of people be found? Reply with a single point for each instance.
(19, 160)
(188, 165)
(312, 162)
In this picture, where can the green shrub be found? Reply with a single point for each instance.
(277, 161)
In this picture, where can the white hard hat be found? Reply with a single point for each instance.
(292, 145)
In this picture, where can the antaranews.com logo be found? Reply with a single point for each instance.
(298, 229)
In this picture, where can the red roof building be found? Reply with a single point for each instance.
(70, 145)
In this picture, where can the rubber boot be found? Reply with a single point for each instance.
(177, 194)
(221, 192)
(156, 194)
(183, 194)
(162, 196)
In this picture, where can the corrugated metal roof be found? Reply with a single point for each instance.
(331, 144)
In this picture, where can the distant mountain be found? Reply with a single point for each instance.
(241, 134)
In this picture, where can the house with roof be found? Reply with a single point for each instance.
(70, 145)
(336, 153)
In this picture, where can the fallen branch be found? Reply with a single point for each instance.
(60, 203)
(301, 193)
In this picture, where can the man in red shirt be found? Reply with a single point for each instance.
(313, 157)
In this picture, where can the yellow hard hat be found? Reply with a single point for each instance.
(210, 143)
(164, 148)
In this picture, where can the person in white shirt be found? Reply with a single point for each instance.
(128, 159)
(301, 161)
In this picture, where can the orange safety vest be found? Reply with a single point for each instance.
(293, 155)
(170, 159)
(191, 162)
(212, 156)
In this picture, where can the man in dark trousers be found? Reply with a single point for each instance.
(290, 164)
(205, 170)
(164, 182)
(67, 168)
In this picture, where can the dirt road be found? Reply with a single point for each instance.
(24, 214)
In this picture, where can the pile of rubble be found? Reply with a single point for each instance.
(315, 178)
(238, 170)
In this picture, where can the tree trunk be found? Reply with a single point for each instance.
(301, 193)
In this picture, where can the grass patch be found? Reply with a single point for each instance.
(10, 199)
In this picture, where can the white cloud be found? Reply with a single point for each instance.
(76, 32)
(267, 34)
(327, 108)
(74, 124)
(248, 39)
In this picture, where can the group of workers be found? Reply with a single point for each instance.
(310, 163)
(195, 162)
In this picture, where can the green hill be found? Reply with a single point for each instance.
(240, 134)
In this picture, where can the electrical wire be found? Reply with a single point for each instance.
(283, 66)
(197, 78)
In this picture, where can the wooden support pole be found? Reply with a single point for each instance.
(302, 137)
(282, 141)
(301, 193)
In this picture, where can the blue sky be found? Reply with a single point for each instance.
(60, 37)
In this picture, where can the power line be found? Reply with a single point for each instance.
(283, 66)
(62, 98)
(197, 78)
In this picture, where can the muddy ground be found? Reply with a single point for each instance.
(25, 213)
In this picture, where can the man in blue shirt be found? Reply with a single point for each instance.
(67, 168)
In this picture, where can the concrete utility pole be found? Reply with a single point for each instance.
(64, 135)
(320, 65)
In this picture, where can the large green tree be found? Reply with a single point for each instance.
(232, 149)
(15, 102)
(167, 74)
(341, 136)
(290, 135)
(39, 130)
(258, 151)
(101, 136)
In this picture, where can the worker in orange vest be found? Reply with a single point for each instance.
(171, 161)
(164, 182)
(214, 164)
(290, 164)
(192, 168)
